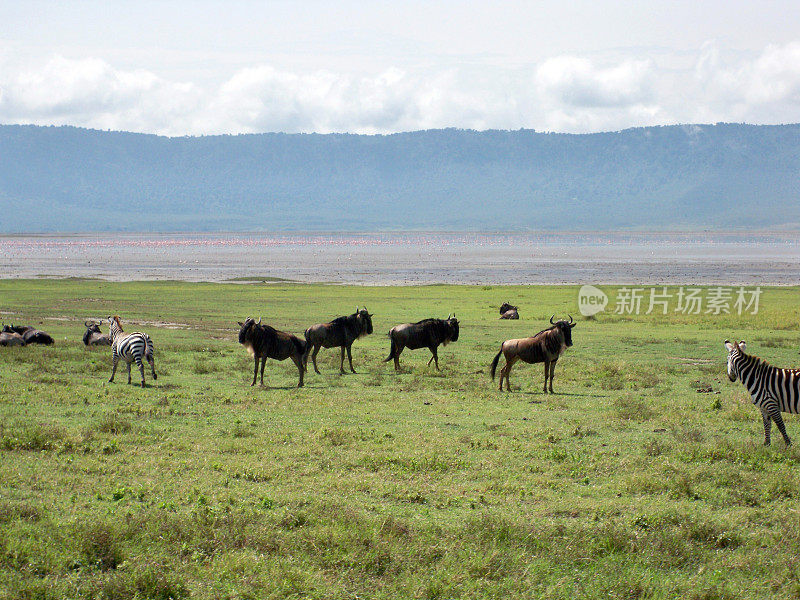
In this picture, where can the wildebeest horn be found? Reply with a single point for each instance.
(570, 319)
(449, 316)
(259, 321)
(551, 320)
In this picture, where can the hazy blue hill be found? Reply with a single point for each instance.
(679, 177)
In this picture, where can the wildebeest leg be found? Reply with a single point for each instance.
(434, 357)
(255, 370)
(552, 372)
(263, 362)
(505, 371)
(397, 357)
(341, 363)
(350, 359)
(113, 369)
(298, 360)
(546, 374)
(314, 358)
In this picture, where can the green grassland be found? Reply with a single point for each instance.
(626, 483)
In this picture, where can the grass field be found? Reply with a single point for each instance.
(627, 483)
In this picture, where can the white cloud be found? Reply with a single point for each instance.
(562, 93)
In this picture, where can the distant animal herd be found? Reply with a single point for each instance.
(773, 390)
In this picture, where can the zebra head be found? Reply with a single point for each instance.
(735, 351)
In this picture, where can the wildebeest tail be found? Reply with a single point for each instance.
(392, 349)
(495, 361)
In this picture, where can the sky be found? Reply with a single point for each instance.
(198, 67)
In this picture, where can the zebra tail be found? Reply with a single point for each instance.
(495, 361)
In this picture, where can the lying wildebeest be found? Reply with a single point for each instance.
(342, 331)
(93, 335)
(507, 311)
(31, 335)
(10, 338)
(130, 347)
(428, 333)
(505, 307)
(546, 346)
(263, 342)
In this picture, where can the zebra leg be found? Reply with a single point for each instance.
(350, 358)
(263, 362)
(115, 360)
(255, 371)
(139, 364)
(152, 362)
(546, 374)
(129, 372)
(776, 416)
(552, 372)
(767, 425)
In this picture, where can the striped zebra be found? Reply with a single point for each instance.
(773, 390)
(130, 347)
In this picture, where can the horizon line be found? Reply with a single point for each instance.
(412, 131)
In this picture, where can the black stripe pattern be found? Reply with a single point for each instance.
(773, 390)
(130, 347)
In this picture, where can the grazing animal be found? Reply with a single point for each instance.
(341, 332)
(428, 333)
(546, 346)
(93, 336)
(773, 390)
(263, 342)
(11, 338)
(31, 335)
(130, 347)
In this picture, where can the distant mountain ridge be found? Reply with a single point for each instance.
(686, 177)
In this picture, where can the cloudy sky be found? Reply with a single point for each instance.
(195, 67)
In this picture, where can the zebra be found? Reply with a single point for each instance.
(130, 347)
(772, 389)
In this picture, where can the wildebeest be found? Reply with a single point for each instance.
(93, 336)
(10, 338)
(130, 347)
(428, 333)
(263, 342)
(546, 346)
(507, 311)
(31, 335)
(342, 331)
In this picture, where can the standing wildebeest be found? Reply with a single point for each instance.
(546, 346)
(9, 337)
(31, 335)
(263, 342)
(130, 347)
(93, 335)
(428, 333)
(342, 331)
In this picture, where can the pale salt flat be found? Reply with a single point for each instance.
(413, 258)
